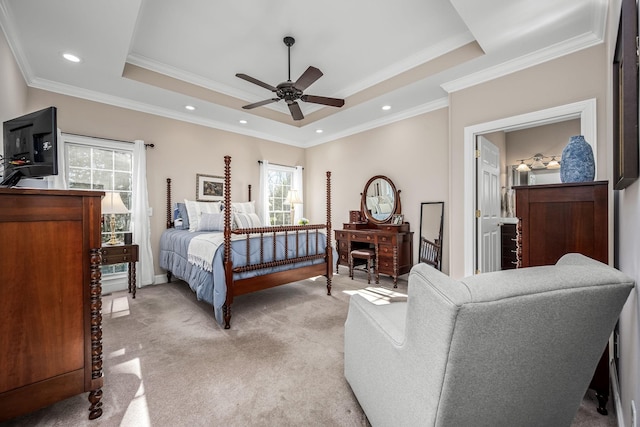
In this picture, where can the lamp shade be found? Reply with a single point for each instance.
(112, 204)
(293, 197)
(522, 167)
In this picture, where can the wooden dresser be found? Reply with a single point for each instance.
(393, 245)
(51, 333)
(562, 218)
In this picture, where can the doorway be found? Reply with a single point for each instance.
(584, 110)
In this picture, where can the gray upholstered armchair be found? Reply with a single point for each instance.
(515, 347)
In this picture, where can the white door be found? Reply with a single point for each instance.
(488, 206)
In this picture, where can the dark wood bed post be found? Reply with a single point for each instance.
(168, 202)
(329, 249)
(228, 265)
(249, 192)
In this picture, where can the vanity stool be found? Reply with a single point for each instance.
(369, 256)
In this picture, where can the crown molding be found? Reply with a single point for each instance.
(558, 50)
(413, 61)
(406, 114)
(6, 23)
(115, 101)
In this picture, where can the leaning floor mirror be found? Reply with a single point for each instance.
(431, 216)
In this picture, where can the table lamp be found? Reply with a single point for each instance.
(293, 198)
(112, 204)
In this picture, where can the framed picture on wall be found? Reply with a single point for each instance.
(625, 99)
(209, 188)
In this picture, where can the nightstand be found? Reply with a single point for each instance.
(120, 254)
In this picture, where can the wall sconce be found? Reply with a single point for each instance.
(538, 163)
(112, 204)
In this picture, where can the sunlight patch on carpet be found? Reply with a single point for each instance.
(115, 307)
(379, 295)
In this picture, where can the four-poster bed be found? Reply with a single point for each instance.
(238, 259)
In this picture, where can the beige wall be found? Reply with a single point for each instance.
(543, 86)
(413, 153)
(13, 89)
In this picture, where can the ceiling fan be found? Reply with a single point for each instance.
(292, 91)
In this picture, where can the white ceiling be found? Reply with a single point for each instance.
(158, 56)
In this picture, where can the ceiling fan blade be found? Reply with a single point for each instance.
(260, 103)
(307, 78)
(334, 102)
(296, 112)
(256, 81)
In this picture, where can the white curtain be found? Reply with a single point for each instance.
(262, 204)
(297, 184)
(140, 216)
(59, 181)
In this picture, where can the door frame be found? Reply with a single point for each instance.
(584, 110)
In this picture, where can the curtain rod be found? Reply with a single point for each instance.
(277, 164)
(146, 145)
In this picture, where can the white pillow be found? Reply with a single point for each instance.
(250, 220)
(196, 209)
(243, 207)
(384, 208)
(211, 222)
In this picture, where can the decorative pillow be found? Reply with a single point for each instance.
(211, 222)
(250, 220)
(181, 212)
(243, 207)
(196, 209)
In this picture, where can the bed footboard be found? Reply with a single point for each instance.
(298, 250)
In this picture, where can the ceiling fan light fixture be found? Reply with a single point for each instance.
(290, 91)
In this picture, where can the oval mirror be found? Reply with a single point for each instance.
(380, 200)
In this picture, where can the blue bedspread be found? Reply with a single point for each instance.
(210, 286)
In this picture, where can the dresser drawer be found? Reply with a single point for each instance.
(119, 254)
(385, 251)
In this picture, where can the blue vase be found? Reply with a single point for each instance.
(577, 163)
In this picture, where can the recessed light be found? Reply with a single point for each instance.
(70, 57)
(386, 107)
(190, 107)
(243, 121)
(319, 130)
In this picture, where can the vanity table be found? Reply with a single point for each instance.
(380, 228)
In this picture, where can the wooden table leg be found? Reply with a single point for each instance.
(132, 279)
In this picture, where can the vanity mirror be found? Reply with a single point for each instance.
(380, 200)
(431, 218)
(379, 229)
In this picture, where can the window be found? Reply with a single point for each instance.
(279, 182)
(95, 164)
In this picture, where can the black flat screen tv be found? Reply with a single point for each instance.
(30, 146)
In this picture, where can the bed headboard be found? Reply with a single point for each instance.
(169, 212)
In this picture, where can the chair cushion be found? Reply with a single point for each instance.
(363, 253)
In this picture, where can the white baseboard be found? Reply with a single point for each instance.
(615, 391)
(160, 278)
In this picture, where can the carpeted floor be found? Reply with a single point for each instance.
(167, 363)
